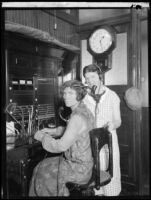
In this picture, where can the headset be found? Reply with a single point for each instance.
(100, 71)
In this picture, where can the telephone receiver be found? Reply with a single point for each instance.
(93, 89)
(96, 97)
(61, 115)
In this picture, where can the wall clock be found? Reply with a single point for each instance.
(101, 42)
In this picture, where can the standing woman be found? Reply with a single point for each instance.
(105, 105)
(51, 175)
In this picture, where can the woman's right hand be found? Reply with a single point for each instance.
(49, 131)
(39, 135)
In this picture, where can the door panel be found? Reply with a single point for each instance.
(126, 132)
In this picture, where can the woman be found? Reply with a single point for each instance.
(105, 105)
(50, 176)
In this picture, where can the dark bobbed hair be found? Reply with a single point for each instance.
(76, 85)
(92, 68)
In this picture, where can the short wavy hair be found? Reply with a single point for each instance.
(76, 85)
(92, 68)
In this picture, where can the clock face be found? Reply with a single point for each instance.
(100, 41)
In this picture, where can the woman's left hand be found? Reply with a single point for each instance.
(110, 126)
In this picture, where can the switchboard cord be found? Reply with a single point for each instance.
(36, 174)
(58, 176)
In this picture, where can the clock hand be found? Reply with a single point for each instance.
(101, 39)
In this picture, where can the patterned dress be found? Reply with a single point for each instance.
(104, 114)
(51, 174)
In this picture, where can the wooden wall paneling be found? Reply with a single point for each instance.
(42, 21)
(38, 18)
(85, 29)
(136, 82)
(145, 149)
(125, 131)
(22, 16)
(71, 17)
(126, 139)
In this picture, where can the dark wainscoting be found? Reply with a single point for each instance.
(145, 150)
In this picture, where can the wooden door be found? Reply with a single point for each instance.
(126, 77)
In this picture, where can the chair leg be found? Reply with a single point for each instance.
(88, 192)
(74, 190)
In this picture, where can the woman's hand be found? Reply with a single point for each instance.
(39, 135)
(49, 131)
(53, 132)
(113, 125)
(110, 126)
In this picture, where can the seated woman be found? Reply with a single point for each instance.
(75, 165)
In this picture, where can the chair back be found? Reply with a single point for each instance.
(100, 137)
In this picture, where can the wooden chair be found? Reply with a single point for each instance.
(99, 137)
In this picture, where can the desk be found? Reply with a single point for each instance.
(20, 164)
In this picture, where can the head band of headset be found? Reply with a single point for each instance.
(98, 68)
